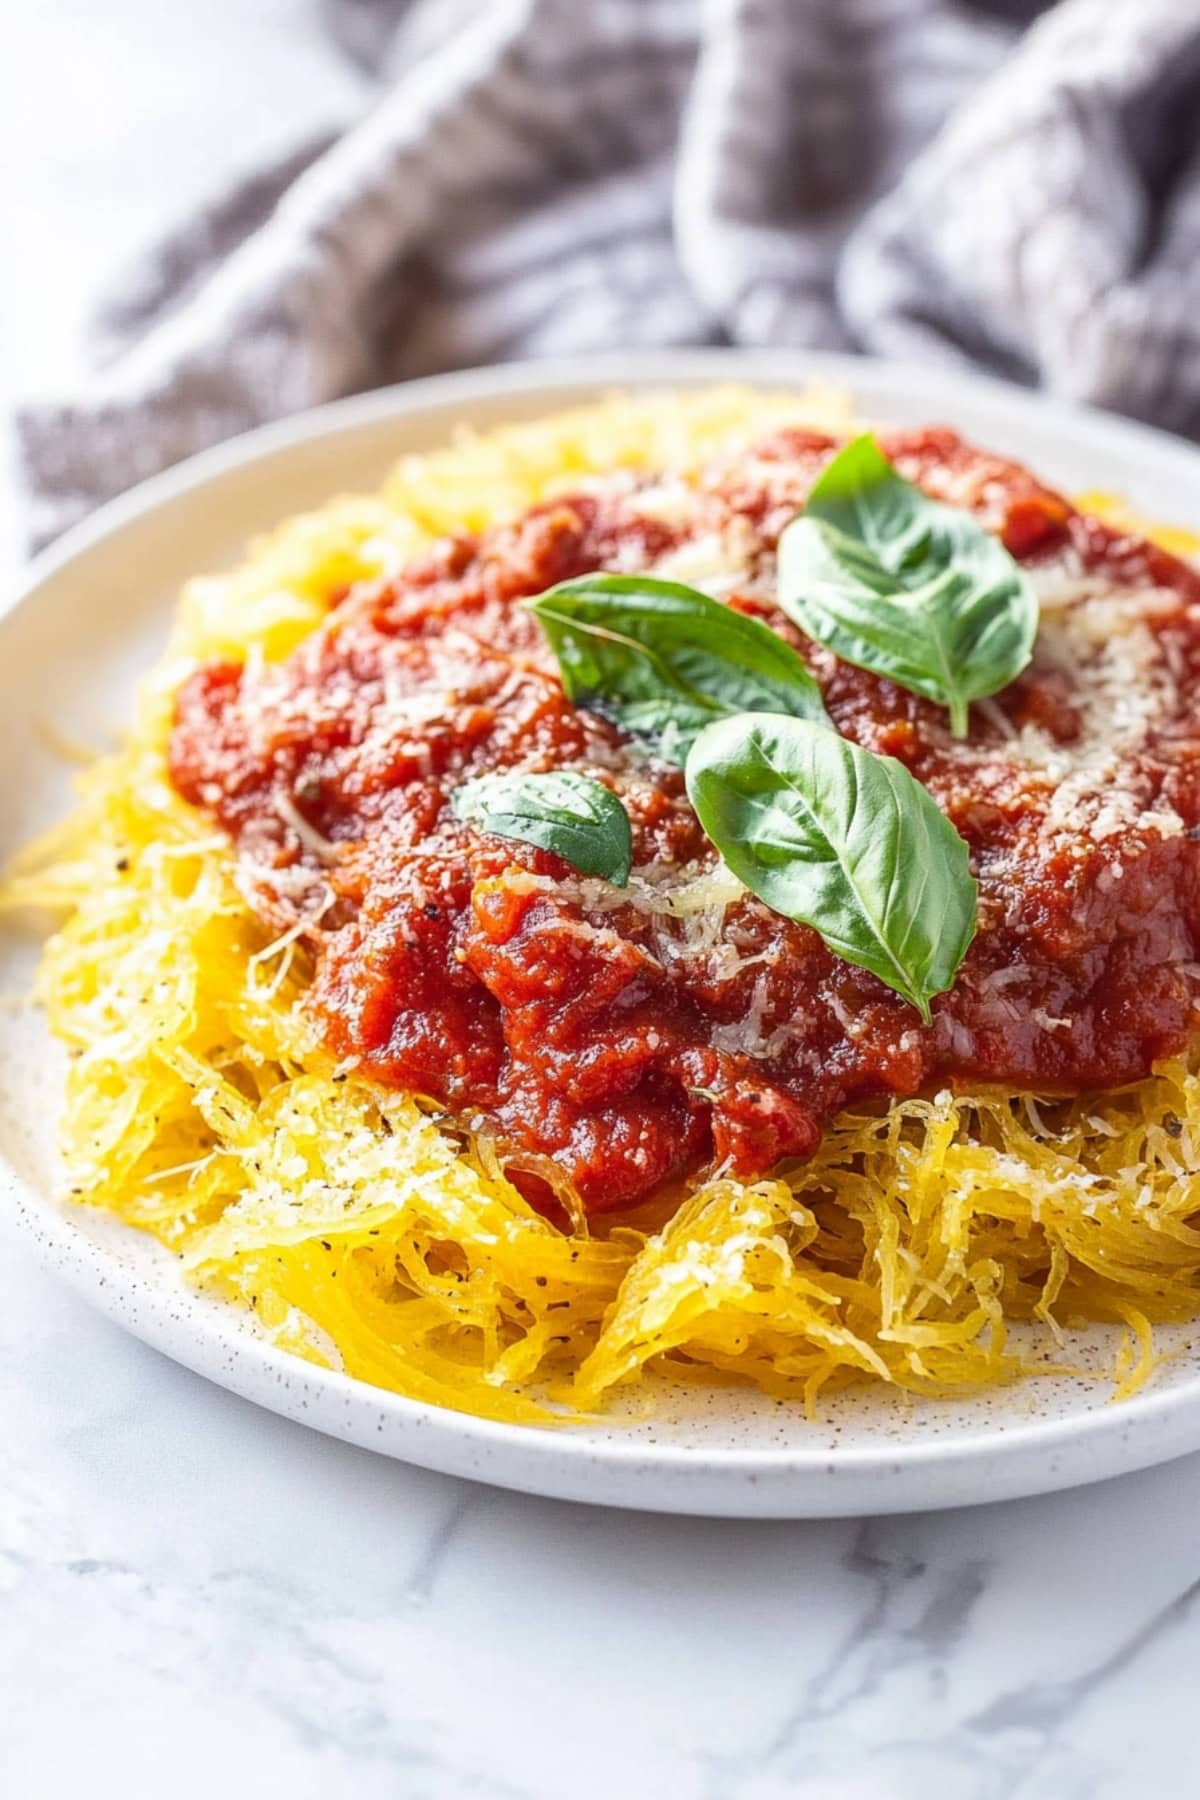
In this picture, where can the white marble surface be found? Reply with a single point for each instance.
(198, 1598)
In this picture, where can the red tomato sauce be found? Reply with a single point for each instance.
(633, 1046)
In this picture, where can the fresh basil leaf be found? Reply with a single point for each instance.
(663, 660)
(899, 584)
(842, 840)
(578, 819)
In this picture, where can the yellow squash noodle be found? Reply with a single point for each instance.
(368, 1231)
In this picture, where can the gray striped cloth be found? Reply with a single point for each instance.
(951, 180)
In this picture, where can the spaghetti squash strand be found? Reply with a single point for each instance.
(360, 1229)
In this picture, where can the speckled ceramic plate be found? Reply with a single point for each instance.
(94, 613)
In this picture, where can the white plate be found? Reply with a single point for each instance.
(95, 611)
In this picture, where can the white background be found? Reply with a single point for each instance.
(198, 1598)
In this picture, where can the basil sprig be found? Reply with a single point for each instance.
(663, 660)
(899, 584)
(842, 840)
(576, 818)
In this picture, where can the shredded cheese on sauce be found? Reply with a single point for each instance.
(368, 1231)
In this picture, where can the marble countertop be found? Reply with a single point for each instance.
(197, 1597)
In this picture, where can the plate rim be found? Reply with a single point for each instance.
(978, 1466)
(1038, 1455)
(561, 375)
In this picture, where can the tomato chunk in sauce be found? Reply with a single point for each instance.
(637, 1035)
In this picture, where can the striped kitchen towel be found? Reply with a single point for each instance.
(953, 180)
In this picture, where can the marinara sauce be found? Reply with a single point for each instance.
(636, 1035)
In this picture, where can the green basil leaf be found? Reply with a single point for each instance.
(663, 660)
(578, 819)
(842, 840)
(897, 583)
